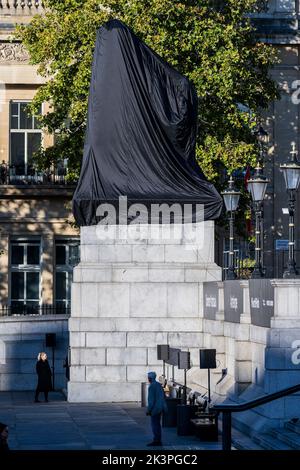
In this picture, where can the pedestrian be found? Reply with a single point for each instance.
(3, 438)
(44, 376)
(156, 406)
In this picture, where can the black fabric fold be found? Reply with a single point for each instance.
(141, 131)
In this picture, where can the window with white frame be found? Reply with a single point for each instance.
(25, 137)
(66, 257)
(25, 261)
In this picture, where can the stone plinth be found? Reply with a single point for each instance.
(132, 291)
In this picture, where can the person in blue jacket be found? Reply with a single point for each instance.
(156, 406)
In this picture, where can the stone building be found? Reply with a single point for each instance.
(38, 244)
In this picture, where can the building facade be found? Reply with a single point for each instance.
(38, 243)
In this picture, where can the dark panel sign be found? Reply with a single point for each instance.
(210, 300)
(173, 357)
(184, 360)
(233, 301)
(261, 294)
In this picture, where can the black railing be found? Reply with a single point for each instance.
(19, 175)
(227, 409)
(34, 310)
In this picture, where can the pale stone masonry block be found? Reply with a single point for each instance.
(89, 301)
(218, 343)
(77, 340)
(195, 357)
(114, 300)
(139, 324)
(91, 356)
(137, 373)
(76, 299)
(105, 373)
(77, 373)
(148, 253)
(123, 356)
(115, 253)
(88, 235)
(180, 253)
(130, 274)
(185, 340)
(105, 339)
(183, 300)
(148, 300)
(166, 274)
(89, 254)
(149, 339)
(243, 371)
(94, 274)
(152, 357)
(74, 324)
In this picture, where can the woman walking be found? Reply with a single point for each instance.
(44, 376)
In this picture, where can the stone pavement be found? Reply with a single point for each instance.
(59, 425)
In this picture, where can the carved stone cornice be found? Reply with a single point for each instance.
(13, 53)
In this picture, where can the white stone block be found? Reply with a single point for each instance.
(183, 300)
(152, 357)
(218, 343)
(115, 253)
(113, 300)
(185, 340)
(137, 373)
(77, 340)
(243, 371)
(166, 234)
(74, 324)
(148, 253)
(76, 300)
(105, 339)
(130, 273)
(106, 374)
(243, 350)
(148, 300)
(104, 392)
(138, 325)
(288, 336)
(125, 356)
(88, 356)
(94, 273)
(214, 327)
(195, 357)
(10, 328)
(149, 339)
(166, 274)
(77, 373)
(88, 235)
(180, 253)
(258, 334)
(89, 300)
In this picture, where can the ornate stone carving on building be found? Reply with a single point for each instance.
(13, 52)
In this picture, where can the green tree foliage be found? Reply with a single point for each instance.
(212, 42)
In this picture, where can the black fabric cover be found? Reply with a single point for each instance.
(141, 131)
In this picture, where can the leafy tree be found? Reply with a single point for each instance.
(212, 42)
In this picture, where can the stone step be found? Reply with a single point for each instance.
(290, 438)
(295, 427)
(245, 443)
(269, 442)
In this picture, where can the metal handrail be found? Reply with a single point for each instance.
(228, 408)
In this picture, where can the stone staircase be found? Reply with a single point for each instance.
(286, 438)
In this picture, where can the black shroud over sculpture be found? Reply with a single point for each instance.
(141, 131)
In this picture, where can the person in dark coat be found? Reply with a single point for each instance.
(3, 438)
(44, 377)
(156, 406)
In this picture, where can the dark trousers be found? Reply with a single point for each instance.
(37, 392)
(156, 427)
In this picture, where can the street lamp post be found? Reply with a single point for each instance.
(257, 186)
(291, 172)
(231, 199)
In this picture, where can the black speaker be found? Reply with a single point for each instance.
(162, 352)
(50, 340)
(184, 360)
(173, 357)
(208, 359)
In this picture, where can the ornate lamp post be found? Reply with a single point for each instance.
(291, 172)
(231, 199)
(257, 186)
